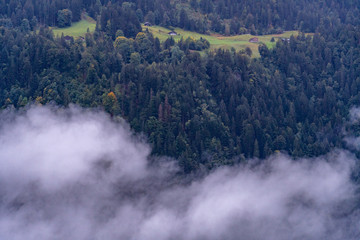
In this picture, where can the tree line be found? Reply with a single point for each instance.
(223, 16)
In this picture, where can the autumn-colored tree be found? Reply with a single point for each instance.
(124, 46)
(111, 103)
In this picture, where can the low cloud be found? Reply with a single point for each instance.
(352, 139)
(77, 174)
(354, 114)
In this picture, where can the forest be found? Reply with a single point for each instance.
(205, 110)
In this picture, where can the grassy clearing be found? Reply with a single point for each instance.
(77, 29)
(238, 42)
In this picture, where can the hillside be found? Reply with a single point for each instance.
(205, 110)
(238, 42)
(243, 124)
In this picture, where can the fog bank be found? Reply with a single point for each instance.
(76, 174)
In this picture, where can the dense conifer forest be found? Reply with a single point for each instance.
(210, 109)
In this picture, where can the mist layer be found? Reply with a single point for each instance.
(77, 174)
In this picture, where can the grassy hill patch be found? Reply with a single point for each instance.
(77, 29)
(239, 42)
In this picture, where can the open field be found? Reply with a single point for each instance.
(238, 42)
(77, 29)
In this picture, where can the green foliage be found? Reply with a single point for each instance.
(116, 17)
(124, 46)
(229, 17)
(64, 18)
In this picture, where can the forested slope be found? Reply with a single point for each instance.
(223, 16)
(203, 110)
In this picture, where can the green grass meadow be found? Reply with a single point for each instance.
(77, 29)
(239, 42)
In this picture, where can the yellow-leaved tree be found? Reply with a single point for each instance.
(124, 46)
(111, 103)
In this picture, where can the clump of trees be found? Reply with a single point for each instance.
(194, 44)
(64, 18)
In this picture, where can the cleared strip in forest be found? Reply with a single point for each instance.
(239, 42)
(77, 29)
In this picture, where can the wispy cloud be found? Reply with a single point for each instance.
(76, 174)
